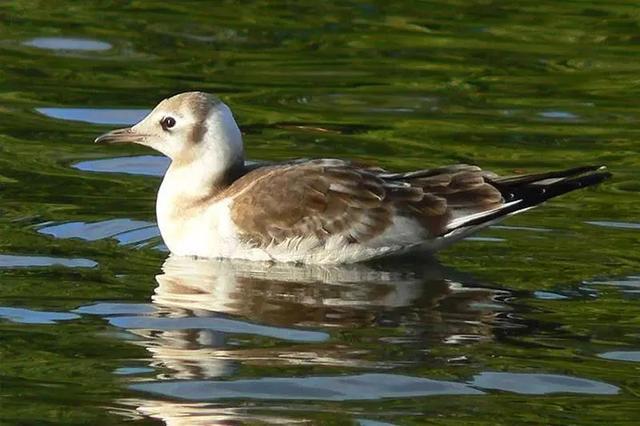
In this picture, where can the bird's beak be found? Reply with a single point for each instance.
(127, 135)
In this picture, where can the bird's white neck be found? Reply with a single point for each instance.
(212, 164)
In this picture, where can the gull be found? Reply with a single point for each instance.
(213, 204)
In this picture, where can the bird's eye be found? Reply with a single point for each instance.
(167, 123)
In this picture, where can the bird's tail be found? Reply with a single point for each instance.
(521, 193)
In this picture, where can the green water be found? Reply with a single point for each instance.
(536, 321)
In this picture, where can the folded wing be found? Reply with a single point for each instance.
(325, 198)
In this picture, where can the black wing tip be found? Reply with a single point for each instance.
(604, 171)
(531, 194)
(587, 168)
(542, 192)
(600, 169)
(593, 176)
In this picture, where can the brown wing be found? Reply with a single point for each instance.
(449, 193)
(333, 197)
(319, 197)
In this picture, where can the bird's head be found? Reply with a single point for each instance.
(186, 127)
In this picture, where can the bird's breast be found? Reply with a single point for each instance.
(195, 227)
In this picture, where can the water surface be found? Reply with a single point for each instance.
(534, 321)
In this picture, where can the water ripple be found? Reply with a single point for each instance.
(14, 261)
(633, 356)
(224, 325)
(28, 316)
(125, 231)
(147, 165)
(96, 115)
(541, 384)
(613, 224)
(327, 388)
(68, 43)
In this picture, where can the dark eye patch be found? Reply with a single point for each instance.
(167, 123)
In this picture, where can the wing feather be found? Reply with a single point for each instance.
(328, 197)
(315, 198)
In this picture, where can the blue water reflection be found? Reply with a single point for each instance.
(29, 316)
(17, 261)
(145, 165)
(541, 384)
(632, 356)
(68, 43)
(324, 388)
(96, 115)
(125, 231)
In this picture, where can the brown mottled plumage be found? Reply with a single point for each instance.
(330, 197)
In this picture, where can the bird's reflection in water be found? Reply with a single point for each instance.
(210, 308)
(213, 316)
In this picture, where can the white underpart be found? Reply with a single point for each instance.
(211, 233)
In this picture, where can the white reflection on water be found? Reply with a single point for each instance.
(202, 308)
(67, 43)
(96, 115)
(633, 356)
(125, 231)
(15, 261)
(613, 224)
(29, 316)
(541, 384)
(203, 414)
(324, 388)
(559, 115)
(146, 165)
(629, 286)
